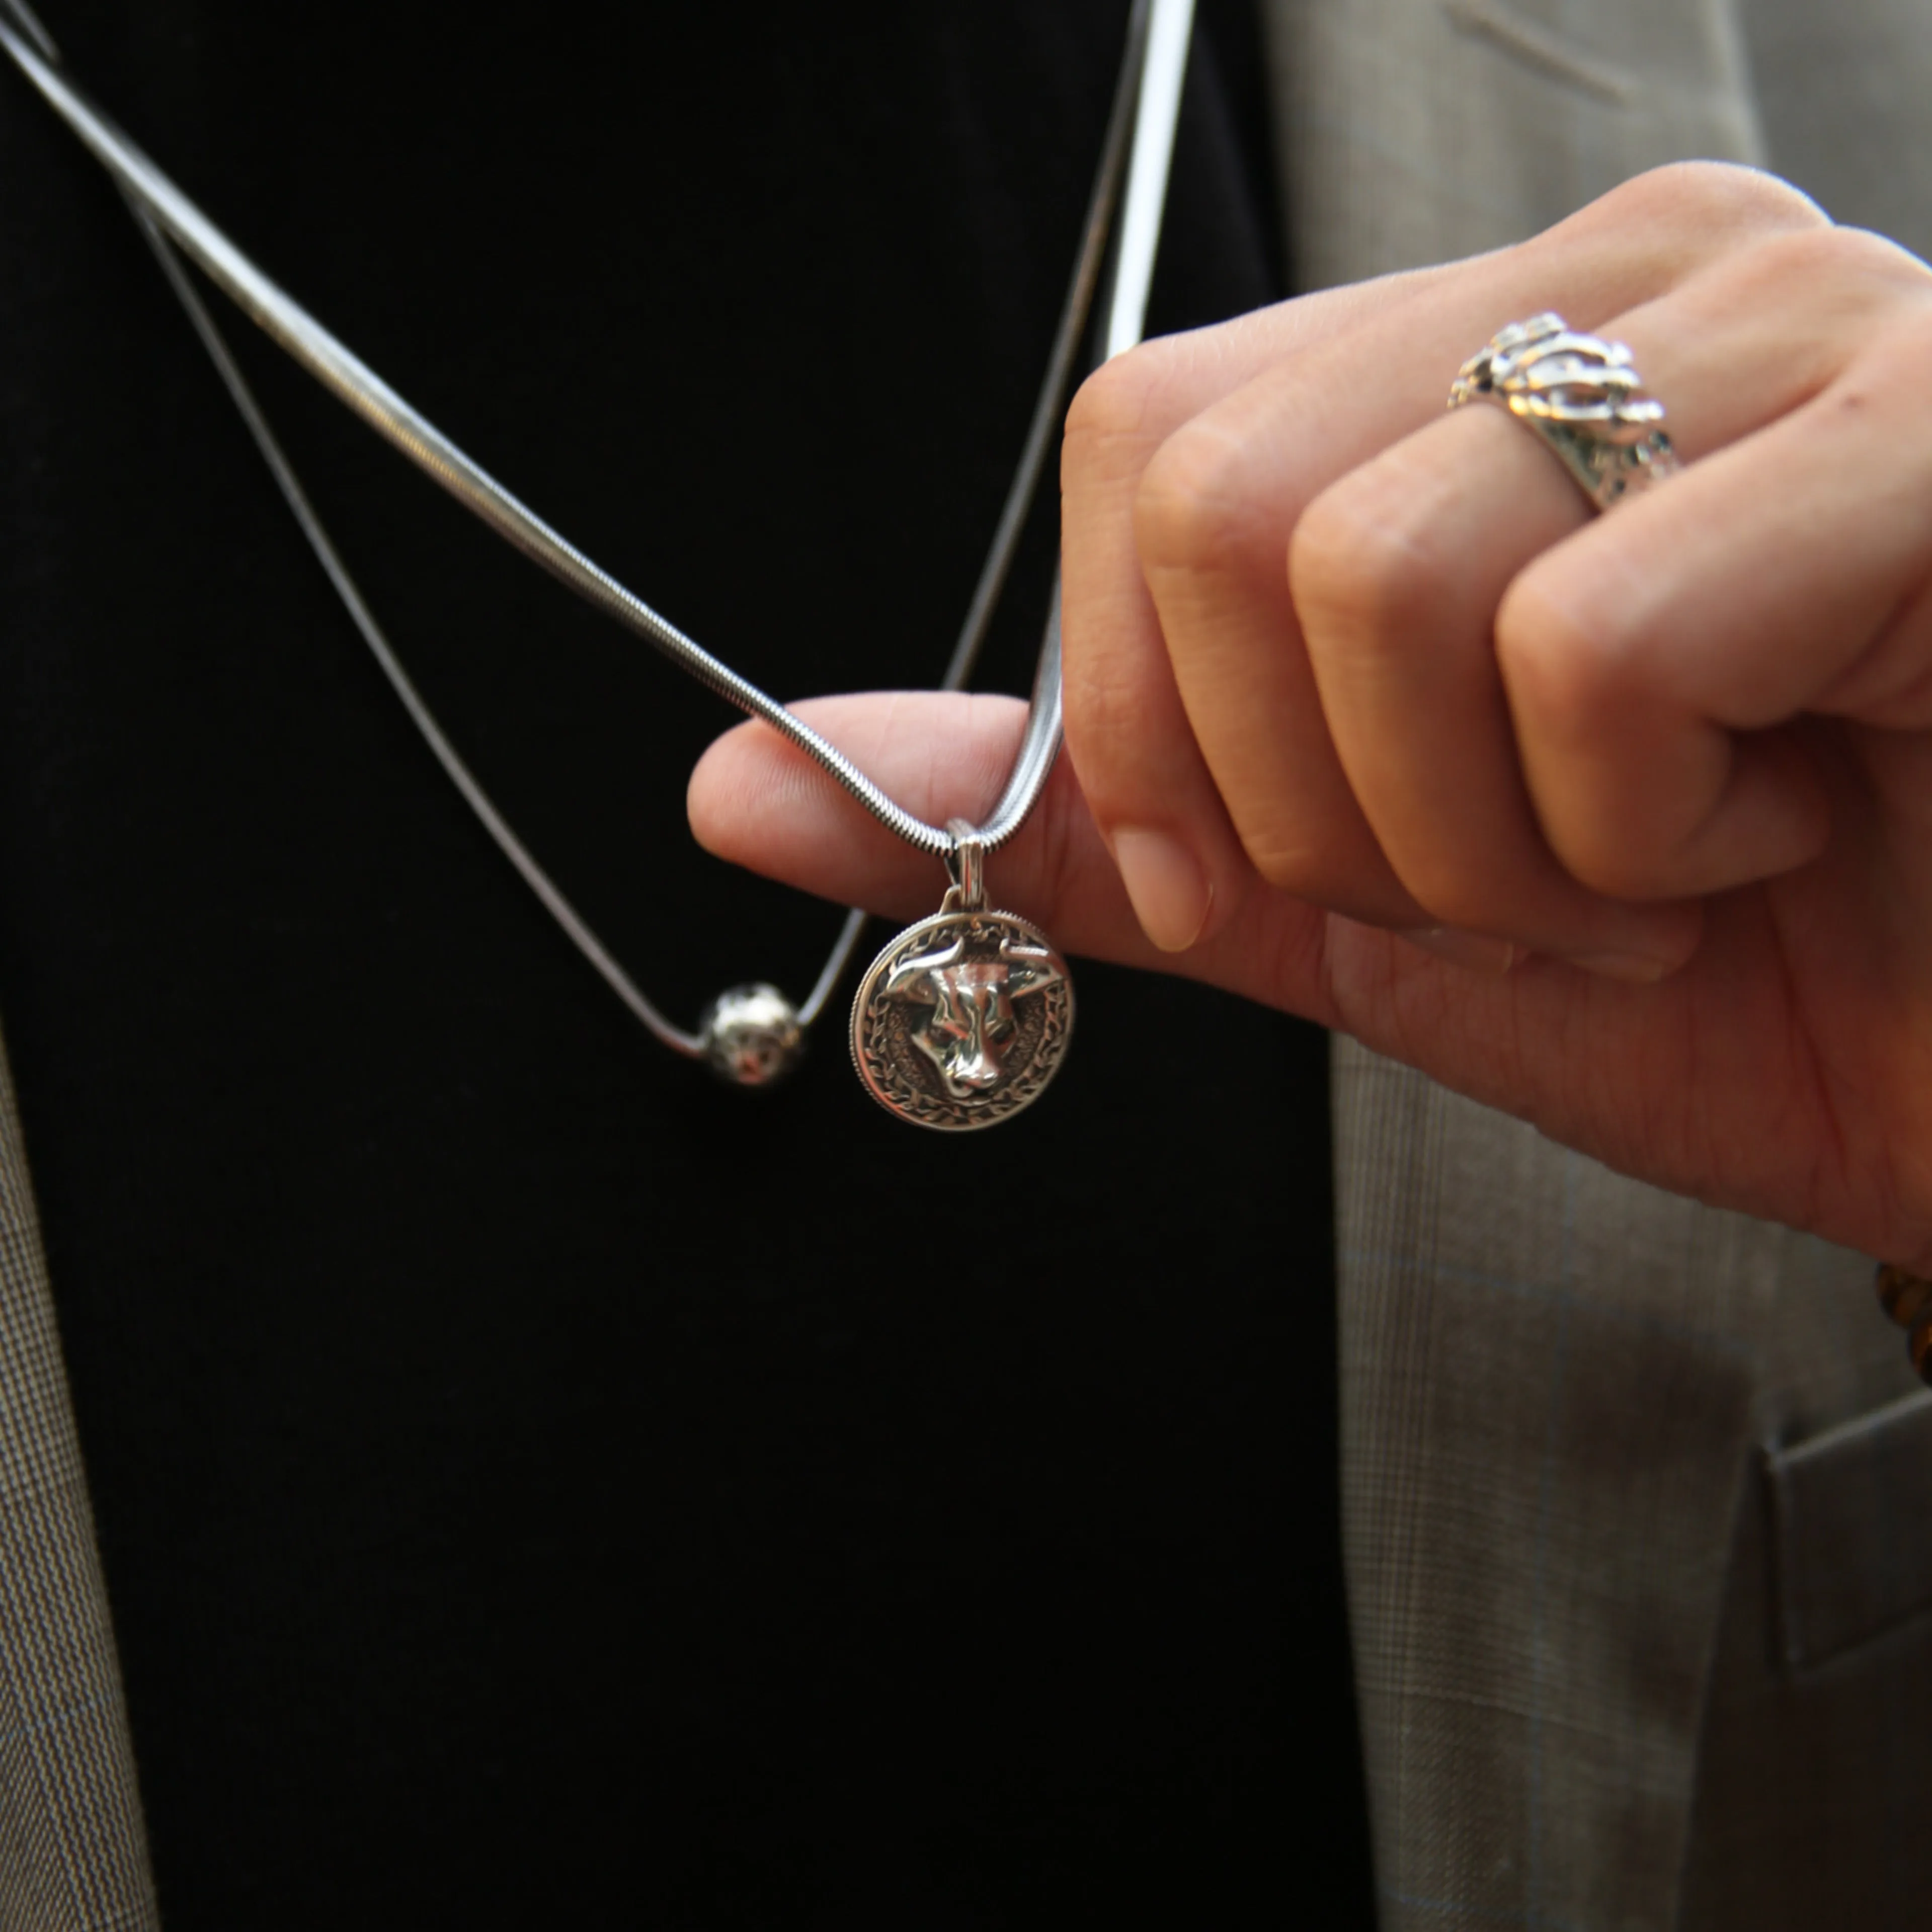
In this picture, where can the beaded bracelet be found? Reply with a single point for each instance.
(1907, 1299)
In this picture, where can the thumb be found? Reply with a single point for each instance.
(757, 800)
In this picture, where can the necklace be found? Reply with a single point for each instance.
(963, 1018)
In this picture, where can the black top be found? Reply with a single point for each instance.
(535, 1481)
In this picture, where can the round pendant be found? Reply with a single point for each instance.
(962, 1020)
(751, 1036)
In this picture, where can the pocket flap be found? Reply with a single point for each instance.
(1852, 1517)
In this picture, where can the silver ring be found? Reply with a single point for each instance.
(1581, 395)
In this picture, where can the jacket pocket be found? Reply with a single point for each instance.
(1851, 1514)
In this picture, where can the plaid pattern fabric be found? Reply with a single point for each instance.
(1413, 131)
(1640, 1569)
(73, 1853)
(1558, 1389)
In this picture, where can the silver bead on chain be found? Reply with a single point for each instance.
(751, 1035)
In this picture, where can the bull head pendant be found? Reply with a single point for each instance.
(963, 1018)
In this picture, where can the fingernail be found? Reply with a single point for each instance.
(1475, 950)
(1171, 894)
(1639, 969)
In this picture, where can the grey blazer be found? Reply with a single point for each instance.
(1638, 1497)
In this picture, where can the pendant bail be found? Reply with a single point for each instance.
(967, 863)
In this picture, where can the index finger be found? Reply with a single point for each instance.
(758, 801)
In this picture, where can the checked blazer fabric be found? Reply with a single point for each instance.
(1637, 1497)
(72, 1849)
(1635, 1494)
(1567, 1401)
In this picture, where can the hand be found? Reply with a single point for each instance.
(1623, 824)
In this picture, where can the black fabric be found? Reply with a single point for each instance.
(533, 1480)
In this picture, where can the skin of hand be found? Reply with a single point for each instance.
(1621, 822)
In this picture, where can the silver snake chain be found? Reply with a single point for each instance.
(1136, 152)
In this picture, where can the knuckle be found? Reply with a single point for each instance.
(1703, 197)
(1570, 687)
(1289, 864)
(1888, 258)
(1915, 338)
(1453, 892)
(1359, 568)
(1857, 268)
(1895, 359)
(1623, 865)
(1193, 512)
(1564, 675)
(1575, 689)
(1340, 869)
(1119, 404)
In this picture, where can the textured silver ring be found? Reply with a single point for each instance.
(1582, 396)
